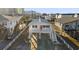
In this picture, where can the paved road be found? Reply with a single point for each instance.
(20, 44)
(3, 43)
(45, 44)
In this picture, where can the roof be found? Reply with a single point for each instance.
(3, 19)
(10, 18)
(67, 19)
(39, 21)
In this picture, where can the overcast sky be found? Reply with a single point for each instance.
(54, 10)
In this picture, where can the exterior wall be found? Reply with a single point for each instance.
(72, 29)
(10, 26)
(10, 11)
(38, 30)
(71, 25)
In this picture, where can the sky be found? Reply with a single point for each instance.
(54, 10)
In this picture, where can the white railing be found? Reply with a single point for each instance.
(65, 42)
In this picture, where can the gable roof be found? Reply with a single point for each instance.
(10, 18)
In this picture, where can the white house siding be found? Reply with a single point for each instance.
(11, 23)
(49, 31)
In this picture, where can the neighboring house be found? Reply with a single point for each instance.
(3, 29)
(3, 20)
(41, 26)
(12, 21)
(46, 16)
(9, 22)
(66, 18)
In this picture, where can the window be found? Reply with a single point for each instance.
(46, 26)
(78, 25)
(34, 26)
(43, 26)
(66, 25)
